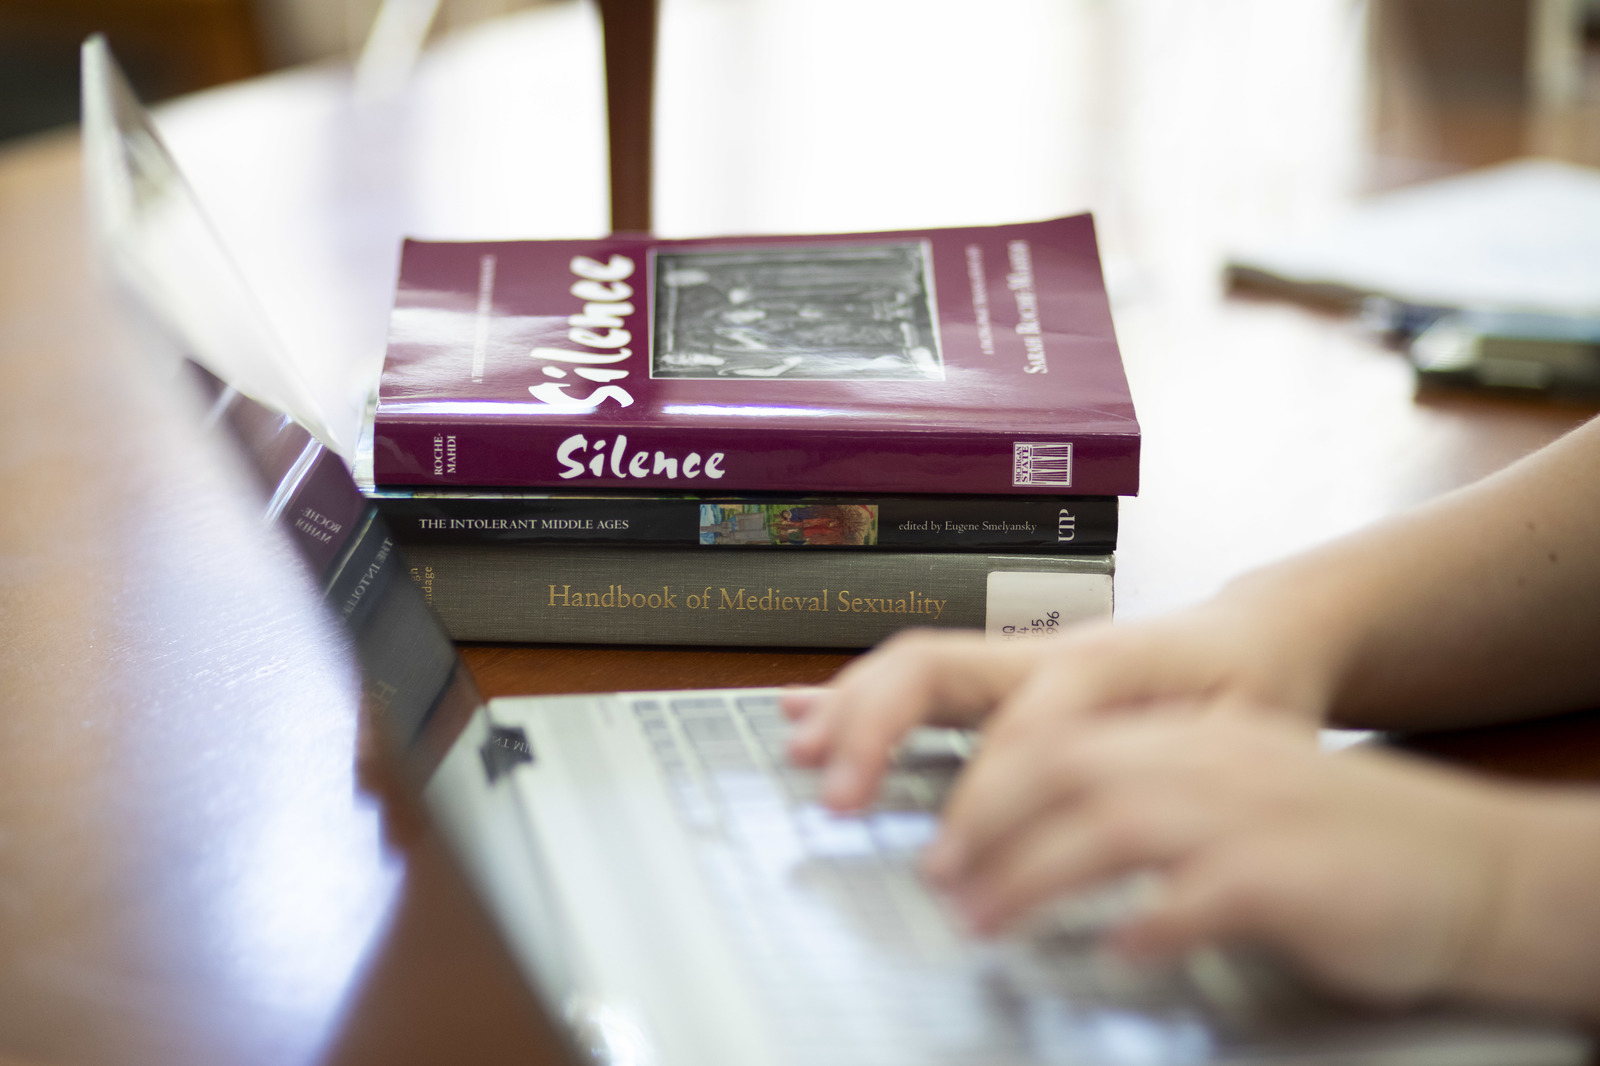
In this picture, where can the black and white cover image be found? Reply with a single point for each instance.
(819, 312)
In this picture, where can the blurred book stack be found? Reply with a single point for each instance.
(783, 441)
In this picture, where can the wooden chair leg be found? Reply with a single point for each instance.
(630, 55)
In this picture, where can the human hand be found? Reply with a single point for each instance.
(1381, 875)
(1222, 654)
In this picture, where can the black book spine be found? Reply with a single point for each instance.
(1079, 525)
(408, 663)
(773, 599)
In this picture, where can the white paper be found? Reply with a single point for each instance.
(1522, 236)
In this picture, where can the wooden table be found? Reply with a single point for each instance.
(191, 868)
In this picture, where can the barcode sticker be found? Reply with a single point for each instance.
(1041, 463)
(1026, 604)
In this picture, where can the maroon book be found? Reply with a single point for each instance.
(939, 361)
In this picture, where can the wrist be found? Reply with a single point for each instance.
(1301, 630)
(1537, 942)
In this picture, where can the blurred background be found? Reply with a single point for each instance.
(1447, 83)
(171, 47)
(1468, 82)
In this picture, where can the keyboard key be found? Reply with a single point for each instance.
(906, 792)
(712, 706)
(710, 730)
(803, 786)
(724, 755)
(831, 835)
(747, 788)
(695, 808)
(903, 831)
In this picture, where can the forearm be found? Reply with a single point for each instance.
(1483, 605)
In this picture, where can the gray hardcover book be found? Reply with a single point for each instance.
(827, 600)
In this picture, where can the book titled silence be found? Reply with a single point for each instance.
(502, 592)
(943, 362)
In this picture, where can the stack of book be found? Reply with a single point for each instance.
(790, 441)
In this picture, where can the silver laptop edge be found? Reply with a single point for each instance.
(610, 903)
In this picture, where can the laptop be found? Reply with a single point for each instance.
(669, 885)
(676, 893)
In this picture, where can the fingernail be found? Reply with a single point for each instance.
(839, 782)
(941, 860)
(1131, 946)
(797, 704)
(808, 728)
(807, 735)
(975, 911)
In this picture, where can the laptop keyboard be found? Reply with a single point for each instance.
(854, 953)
